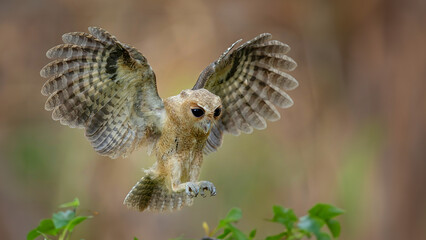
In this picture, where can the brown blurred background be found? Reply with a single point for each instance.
(355, 138)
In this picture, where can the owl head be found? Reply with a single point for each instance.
(196, 110)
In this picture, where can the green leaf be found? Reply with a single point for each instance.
(236, 233)
(33, 234)
(225, 233)
(233, 216)
(284, 216)
(75, 203)
(323, 236)
(334, 227)
(311, 224)
(325, 211)
(135, 238)
(45, 226)
(75, 221)
(277, 237)
(61, 219)
(252, 234)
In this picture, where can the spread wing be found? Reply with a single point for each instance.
(250, 81)
(105, 87)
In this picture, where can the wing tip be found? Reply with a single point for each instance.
(51, 52)
(289, 103)
(265, 35)
(44, 91)
(224, 54)
(292, 64)
(262, 36)
(95, 30)
(43, 72)
(294, 84)
(66, 37)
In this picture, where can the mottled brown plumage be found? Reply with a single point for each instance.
(109, 89)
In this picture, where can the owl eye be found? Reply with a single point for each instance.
(217, 111)
(197, 112)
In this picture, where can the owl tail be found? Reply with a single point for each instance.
(153, 194)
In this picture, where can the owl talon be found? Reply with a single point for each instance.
(191, 189)
(206, 186)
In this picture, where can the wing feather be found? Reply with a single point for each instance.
(105, 87)
(251, 81)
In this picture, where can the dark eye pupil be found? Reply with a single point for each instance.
(198, 112)
(217, 112)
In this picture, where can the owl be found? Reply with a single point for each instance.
(108, 88)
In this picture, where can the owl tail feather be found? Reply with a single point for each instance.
(152, 193)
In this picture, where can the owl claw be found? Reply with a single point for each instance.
(206, 186)
(191, 189)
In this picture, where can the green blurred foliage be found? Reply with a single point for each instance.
(61, 225)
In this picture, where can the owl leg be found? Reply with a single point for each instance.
(194, 174)
(193, 187)
(190, 188)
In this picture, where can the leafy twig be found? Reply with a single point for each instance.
(294, 228)
(60, 225)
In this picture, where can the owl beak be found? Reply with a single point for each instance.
(207, 126)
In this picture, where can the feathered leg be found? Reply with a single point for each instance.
(193, 187)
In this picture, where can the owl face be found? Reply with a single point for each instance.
(203, 108)
(197, 109)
